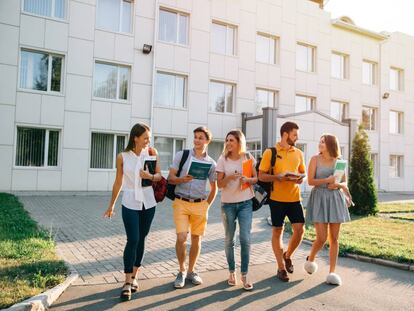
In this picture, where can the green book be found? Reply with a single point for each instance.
(340, 169)
(199, 169)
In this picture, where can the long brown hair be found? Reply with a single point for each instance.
(136, 131)
(241, 139)
(332, 145)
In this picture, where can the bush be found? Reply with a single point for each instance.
(361, 178)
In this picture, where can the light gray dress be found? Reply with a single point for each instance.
(325, 205)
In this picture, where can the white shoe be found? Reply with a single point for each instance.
(333, 279)
(310, 266)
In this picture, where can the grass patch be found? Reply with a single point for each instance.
(375, 237)
(28, 262)
(396, 207)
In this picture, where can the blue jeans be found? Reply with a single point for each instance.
(230, 212)
(137, 226)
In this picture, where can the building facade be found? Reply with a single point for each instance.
(75, 75)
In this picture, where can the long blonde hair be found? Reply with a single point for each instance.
(241, 139)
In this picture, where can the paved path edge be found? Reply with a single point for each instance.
(378, 261)
(44, 300)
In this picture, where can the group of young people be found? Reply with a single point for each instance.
(326, 208)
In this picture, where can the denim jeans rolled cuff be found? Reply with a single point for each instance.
(137, 226)
(230, 213)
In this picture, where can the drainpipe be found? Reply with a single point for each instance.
(154, 51)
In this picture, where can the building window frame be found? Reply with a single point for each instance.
(178, 16)
(399, 126)
(271, 60)
(259, 107)
(398, 86)
(255, 148)
(396, 166)
(343, 110)
(372, 72)
(175, 149)
(226, 108)
(228, 39)
(185, 90)
(50, 57)
(52, 10)
(343, 64)
(115, 149)
(310, 57)
(371, 125)
(310, 103)
(45, 152)
(121, 18)
(118, 86)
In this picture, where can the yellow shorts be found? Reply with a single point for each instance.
(190, 217)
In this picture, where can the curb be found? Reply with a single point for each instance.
(378, 261)
(44, 300)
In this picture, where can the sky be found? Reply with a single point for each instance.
(376, 15)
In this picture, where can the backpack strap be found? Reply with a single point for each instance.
(273, 159)
(184, 158)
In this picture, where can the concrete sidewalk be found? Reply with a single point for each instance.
(366, 287)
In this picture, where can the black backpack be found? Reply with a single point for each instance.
(171, 188)
(268, 186)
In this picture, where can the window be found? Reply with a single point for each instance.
(339, 66)
(396, 166)
(396, 79)
(369, 72)
(50, 8)
(114, 15)
(173, 27)
(396, 122)
(37, 147)
(223, 39)
(339, 110)
(305, 57)
(304, 103)
(221, 97)
(170, 90)
(41, 71)
(374, 160)
(167, 148)
(111, 81)
(255, 148)
(264, 98)
(369, 118)
(104, 148)
(266, 49)
(342, 150)
(215, 149)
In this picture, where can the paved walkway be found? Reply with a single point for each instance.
(94, 245)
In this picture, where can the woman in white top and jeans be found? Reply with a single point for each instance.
(138, 203)
(236, 203)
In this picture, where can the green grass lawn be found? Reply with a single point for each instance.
(28, 262)
(375, 237)
(396, 207)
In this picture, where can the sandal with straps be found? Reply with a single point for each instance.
(134, 285)
(247, 284)
(126, 292)
(232, 279)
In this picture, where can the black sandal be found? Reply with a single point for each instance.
(126, 292)
(134, 285)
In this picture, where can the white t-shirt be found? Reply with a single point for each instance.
(232, 192)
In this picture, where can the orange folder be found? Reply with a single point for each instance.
(247, 167)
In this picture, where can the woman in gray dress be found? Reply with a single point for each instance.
(327, 206)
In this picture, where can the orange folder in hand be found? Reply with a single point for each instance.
(247, 167)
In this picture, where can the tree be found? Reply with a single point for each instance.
(361, 177)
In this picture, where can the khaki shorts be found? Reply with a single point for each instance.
(190, 217)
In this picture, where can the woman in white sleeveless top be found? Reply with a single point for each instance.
(138, 203)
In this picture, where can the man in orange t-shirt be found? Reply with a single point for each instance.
(285, 198)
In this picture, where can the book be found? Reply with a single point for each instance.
(247, 171)
(292, 175)
(340, 168)
(199, 169)
(150, 163)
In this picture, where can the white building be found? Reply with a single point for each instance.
(75, 76)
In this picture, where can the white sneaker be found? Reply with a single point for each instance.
(310, 266)
(333, 279)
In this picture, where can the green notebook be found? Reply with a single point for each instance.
(340, 169)
(199, 169)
